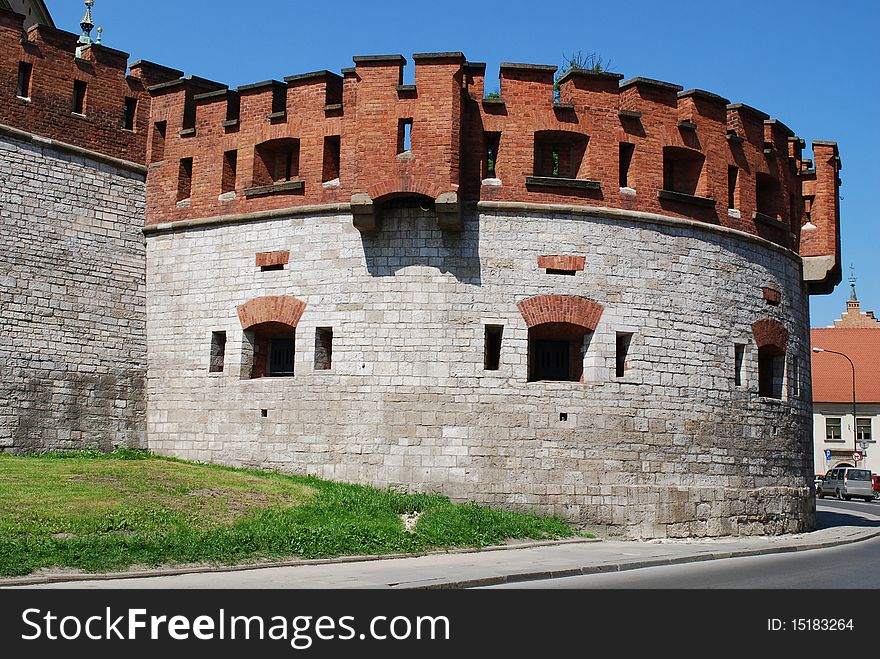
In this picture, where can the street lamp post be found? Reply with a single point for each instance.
(853, 367)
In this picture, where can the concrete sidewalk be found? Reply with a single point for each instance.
(510, 564)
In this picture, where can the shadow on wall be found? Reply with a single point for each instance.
(409, 236)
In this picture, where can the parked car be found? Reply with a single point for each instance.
(876, 479)
(817, 481)
(846, 483)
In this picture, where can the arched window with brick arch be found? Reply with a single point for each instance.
(559, 326)
(269, 325)
(771, 338)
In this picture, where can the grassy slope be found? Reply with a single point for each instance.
(103, 512)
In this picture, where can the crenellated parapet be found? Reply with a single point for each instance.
(589, 139)
(53, 87)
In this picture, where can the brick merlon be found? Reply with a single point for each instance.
(781, 126)
(649, 82)
(61, 38)
(707, 96)
(529, 67)
(219, 93)
(435, 56)
(587, 73)
(258, 86)
(109, 51)
(194, 81)
(475, 66)
(742, 107)
(378, 59)
(146, 64)
(11, 18)
(312, 75)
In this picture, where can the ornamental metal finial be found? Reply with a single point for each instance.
(87, 24)
(852, 283)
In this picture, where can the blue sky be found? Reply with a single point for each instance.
(813, 65)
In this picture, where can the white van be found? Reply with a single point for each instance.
(846, 483)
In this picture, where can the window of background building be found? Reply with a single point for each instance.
(863, 429)
(832, 429)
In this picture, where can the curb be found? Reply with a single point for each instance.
(634, 565)
(172, 572)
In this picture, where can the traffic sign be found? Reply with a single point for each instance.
(827, 453)
(857, 456)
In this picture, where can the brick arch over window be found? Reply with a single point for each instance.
(569, 309)
(283, 309)
(770, 333)
(402, 185)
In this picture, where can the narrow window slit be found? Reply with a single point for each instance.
(323, 348)
(492, 347)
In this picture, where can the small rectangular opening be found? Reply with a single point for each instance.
(160, 128)
(557, 271)
(624, 340)
(682, 170)
(264, 413)
(279, 100)
(492, 347)
(323, 348)
(332, 154)
(271, 268)
(79, 97)
(184, 179)
(732, 175)
(560, 154)
(23, 90)
(493, 140)
(767, 192)
(129, 113)
(276, 161)
(739, 354)
(404, 135)
(795, 377)
(563, 416)
(230, 171)
(233, 106)
(281, 351)
(771, 371)
(218, 352)
(626, 154)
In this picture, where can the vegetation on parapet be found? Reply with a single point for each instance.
(100, 512)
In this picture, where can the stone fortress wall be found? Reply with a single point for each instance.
(594, 304)
(72, 253)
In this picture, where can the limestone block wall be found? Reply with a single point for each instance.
(675, 447)
(72, 300)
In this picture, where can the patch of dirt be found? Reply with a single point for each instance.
(409, 521)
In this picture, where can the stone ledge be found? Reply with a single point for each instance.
(768, 220)
(683, 198)
(287, 187)
(559, 182)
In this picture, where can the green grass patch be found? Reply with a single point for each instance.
(100, 512)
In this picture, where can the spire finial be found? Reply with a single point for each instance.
(852, 283)
(87, 25)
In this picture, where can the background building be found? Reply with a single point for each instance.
(835, 436)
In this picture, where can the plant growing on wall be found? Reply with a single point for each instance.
(578, 60)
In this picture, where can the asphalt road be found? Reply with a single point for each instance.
(850, 566)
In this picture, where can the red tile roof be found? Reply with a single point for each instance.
(832, 375)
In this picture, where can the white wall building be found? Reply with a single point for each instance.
(838, 434)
